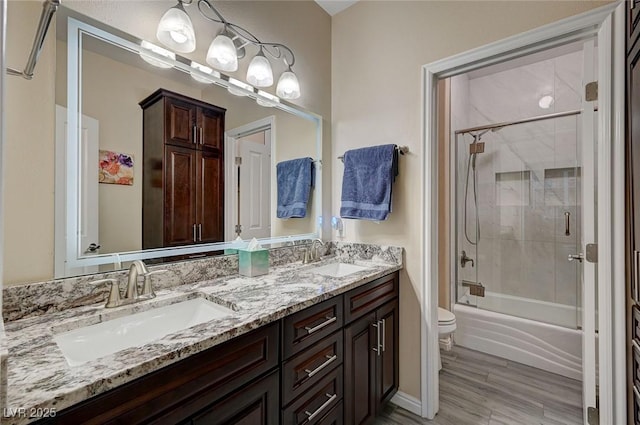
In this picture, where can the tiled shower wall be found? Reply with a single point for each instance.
(528, 178)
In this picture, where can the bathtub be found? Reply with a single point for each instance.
(554, 348)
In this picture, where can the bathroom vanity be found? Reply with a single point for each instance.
(300, 347)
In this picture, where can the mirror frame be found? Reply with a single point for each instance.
(76, 29)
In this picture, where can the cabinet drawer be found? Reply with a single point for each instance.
(361, 301)
(257, 404)
(308, 367)
(335, 417)
(310, 325)
(311, 408)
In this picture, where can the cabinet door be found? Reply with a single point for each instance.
(210, 203)
(180, 122)
(257, 404)
(211, 129)
(360, 338)
(180, 196)
(387, 370)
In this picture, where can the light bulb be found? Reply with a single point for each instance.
(288, 85)
(222, 54)
(175, 30)
(259, 73)
(157, 50)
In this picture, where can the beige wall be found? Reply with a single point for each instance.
(378, 48)
(29, 201)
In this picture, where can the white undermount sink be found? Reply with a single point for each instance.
(92, 342)
(337, 269)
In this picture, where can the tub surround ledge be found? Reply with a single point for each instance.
(39, 376)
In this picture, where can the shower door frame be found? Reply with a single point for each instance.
(607, 25)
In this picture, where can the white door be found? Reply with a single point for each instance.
(255, 187)
(89, 218)
(589, 236)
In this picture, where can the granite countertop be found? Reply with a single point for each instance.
(40, 378)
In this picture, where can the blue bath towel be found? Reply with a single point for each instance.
(295, 180)
(366, 183)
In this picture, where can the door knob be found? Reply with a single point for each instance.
(93, 247)
(578, 257)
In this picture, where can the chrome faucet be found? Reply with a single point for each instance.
(131, 294)
(312, 254)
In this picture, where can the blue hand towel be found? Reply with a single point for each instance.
(366, 182)
(295, 180)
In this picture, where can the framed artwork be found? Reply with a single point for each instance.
(115, 168)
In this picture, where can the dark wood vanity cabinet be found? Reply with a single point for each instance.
(183, 171)
(371, 349)
(307, 369)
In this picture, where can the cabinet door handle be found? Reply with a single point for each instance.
(377, 347)
(384, 331)
(200, 232)
(194, 135)
(312, 416)
(201, 136)
(330, 359)
(194, 233)
(329, 321)
(636, 275)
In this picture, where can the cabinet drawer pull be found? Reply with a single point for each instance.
(329, 321)
(330, 359)
(377, 348)
(311, 416)
(194, 135)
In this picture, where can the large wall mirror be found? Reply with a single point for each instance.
(105, 84)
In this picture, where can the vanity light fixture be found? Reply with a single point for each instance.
(204, 69)
(268, 100)
(159, 51)
(175, 30)
(236, 86)
(229, 46)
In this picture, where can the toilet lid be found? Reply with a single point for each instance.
(445, 316)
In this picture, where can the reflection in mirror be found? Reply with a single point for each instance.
(132, 116)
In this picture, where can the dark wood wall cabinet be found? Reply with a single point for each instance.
(333, 363)
(633, 209)
(183, 171)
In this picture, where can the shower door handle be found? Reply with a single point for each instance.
(578, 257)
(567, 226)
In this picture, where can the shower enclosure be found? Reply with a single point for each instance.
(519, 219)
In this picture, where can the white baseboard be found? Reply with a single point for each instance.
(407, 402)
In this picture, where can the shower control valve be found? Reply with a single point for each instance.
(464, 259)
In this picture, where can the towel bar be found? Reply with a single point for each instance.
(401, 150)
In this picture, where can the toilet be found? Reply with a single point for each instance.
(446, 327)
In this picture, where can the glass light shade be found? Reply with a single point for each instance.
(288, 86)
(159, 51)
(234, 87)
(259, 73)
(204, 69)
(266, 99)
(222, 54)
(175, 30)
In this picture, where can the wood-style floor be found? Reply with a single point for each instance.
(479, 389)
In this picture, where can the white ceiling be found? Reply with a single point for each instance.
(333, 7)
